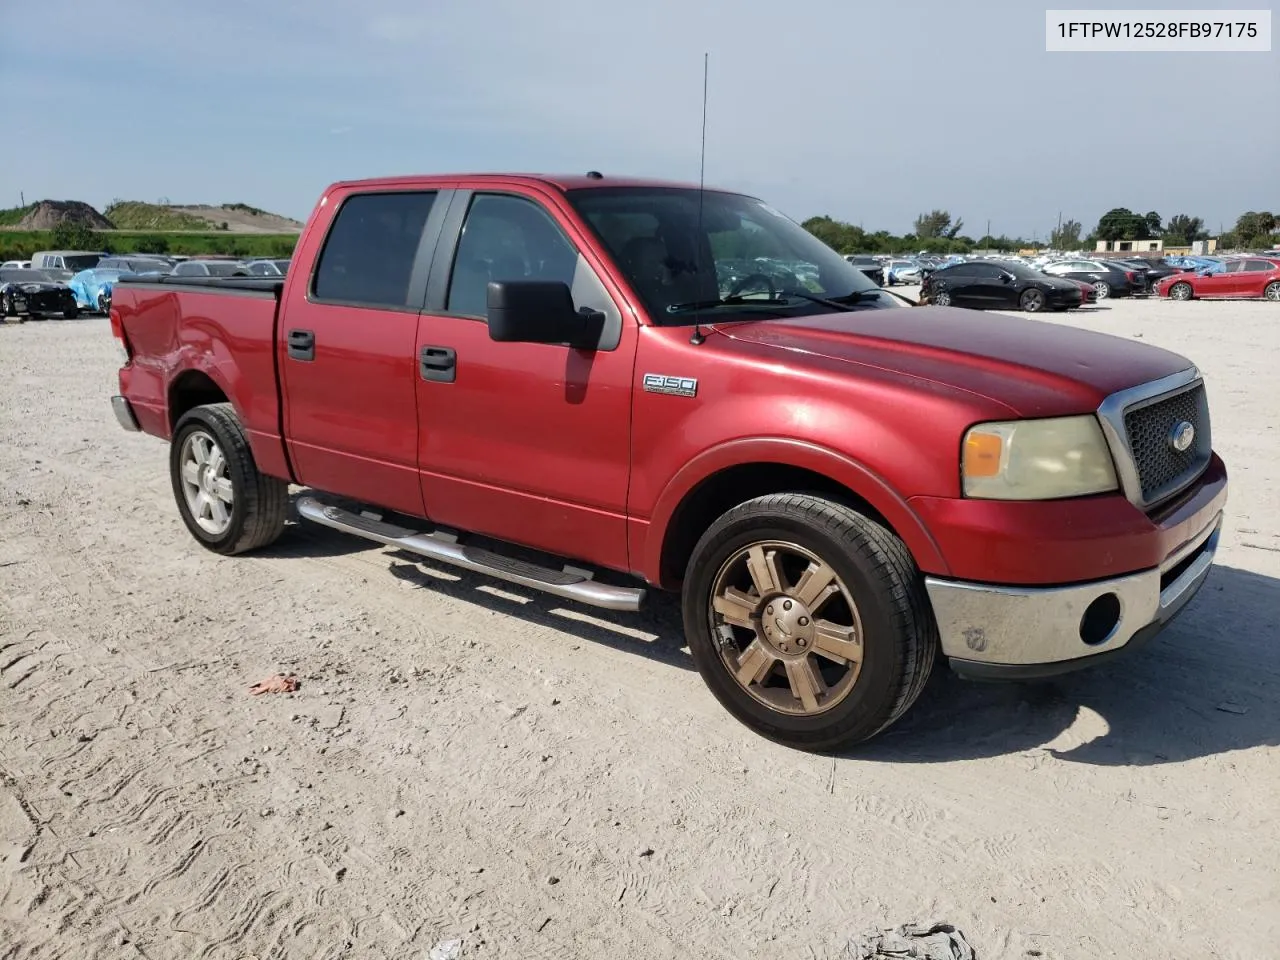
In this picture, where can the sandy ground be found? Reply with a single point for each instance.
(470, 762)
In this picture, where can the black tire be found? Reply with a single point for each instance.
(1032, 301)
(259, 502)
(899, 635)
(71, 314)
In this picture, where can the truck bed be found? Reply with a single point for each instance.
(192, 338)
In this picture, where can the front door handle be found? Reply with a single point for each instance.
(302, 345)
(438, 363)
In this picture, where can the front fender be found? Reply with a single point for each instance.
(849, 473)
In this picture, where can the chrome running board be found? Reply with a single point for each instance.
(571, 583)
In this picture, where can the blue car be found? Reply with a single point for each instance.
(92, 288)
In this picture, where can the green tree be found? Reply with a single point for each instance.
(1153, 223)
(1254, 229)
(72, 235)
(937, 224)
(152, 244)
(1067, 236)
(1121, 223)
(1182, 229)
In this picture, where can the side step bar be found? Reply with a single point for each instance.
(570, 583)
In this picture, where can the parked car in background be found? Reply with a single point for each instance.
(1156, 270)
(35, 294)
(1109, 280)
(1009, 286)
(267, 268)
(868, 265)
(136, 263)
(208, 268)
(901, 271)
(64, 264)
(1243, 278)
(16, 265)
(92, 287)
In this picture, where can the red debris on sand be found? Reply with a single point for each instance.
(277, 684)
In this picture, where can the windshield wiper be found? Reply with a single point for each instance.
(839, 303)
(727, 302)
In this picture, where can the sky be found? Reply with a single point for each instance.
(871, 113)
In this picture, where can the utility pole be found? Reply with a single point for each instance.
(23, 198)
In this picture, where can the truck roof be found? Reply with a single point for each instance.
(562, 182)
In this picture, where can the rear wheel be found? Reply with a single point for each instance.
(1180, 291)
(808, 621)
(227, 504)
(1272, 291)
(71, 314)
(1102, 289)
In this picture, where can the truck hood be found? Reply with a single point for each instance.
(1034, 367)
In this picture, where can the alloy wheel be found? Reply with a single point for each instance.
(206, 483)
(788, 628)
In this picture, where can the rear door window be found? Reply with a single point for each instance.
(369, 254)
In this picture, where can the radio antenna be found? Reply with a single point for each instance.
(698, 337)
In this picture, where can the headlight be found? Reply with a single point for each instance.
(1037, 459)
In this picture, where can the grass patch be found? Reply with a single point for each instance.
(21, 244)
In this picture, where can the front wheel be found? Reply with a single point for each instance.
(942, 298)
(1180, 291)
(1032, 301)
(227, 504)
(808, 621)
(71, 314)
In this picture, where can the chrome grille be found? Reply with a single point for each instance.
(1149, 427)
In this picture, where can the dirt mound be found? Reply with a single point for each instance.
(47, 214)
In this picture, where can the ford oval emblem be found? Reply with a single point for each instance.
(1182, 436)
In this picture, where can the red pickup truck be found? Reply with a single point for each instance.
(594, 387)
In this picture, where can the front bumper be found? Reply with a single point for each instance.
(1030, 632)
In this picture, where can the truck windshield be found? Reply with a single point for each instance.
(741, 264)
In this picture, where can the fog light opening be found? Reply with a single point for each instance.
(1100, 620)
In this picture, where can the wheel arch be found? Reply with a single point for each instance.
(192, 388)
(733, 473)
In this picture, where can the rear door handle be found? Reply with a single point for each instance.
(302, 345)
(438, 363)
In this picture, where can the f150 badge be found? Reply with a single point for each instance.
(672, 386)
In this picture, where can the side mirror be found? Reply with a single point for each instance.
(540, 311)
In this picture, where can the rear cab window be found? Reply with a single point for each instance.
(371, 249)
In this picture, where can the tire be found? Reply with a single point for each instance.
(102, 304)
(71, 314)
(877, 589)
(1102, 289)
(255, 515)
(1272, 291)
(941, 299)
(1180, 291)
(1032, 301)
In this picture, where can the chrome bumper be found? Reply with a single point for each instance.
(124, 414)
(1003, 632)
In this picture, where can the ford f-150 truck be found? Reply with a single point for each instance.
(547, 380)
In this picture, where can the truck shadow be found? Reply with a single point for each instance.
(1176, 699)
(655, 633)
(1203, 687)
